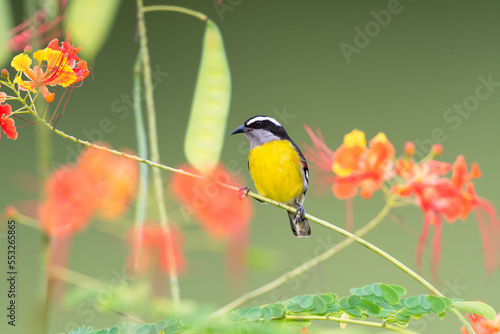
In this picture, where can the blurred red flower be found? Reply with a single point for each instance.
(151, 251)
(483, 326)
(114, 180)
(217, 208)
(70, 202)
(100, 183)
(6, 122)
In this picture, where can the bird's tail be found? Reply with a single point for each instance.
(299, 227)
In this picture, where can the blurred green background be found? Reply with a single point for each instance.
(286, 59)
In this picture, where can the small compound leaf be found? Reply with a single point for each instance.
(278, 310)
(367, 290)
(343, 303)
(424, 302)
(306, 302)
(411, 302)
(357, 291)
(377, 290)
(319, 304)
(267, 313)
(370, 307)
(389, 294)
(353, 301)
(254, 313)
(478, 308)
(328, 298)
(401, 291)
(355, 311)
(437, 304)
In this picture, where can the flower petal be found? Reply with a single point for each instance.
(21, 62)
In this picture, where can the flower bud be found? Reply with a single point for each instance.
(437, 149)
(5, 74)
(409, 148)
(10, 211)
(28, 49)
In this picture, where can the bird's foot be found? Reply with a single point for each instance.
(243, 192)
(299, 214)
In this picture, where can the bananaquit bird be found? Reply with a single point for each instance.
(278, 168)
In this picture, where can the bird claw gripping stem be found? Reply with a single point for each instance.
(243, 192)
(299, 214)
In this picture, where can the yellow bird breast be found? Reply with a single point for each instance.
(277, 171)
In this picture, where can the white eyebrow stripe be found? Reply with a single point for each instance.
(263, 118)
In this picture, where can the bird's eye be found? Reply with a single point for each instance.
(257, 124)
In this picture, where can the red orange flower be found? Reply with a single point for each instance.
(114, 180)
(70, 202)
(452, 199)
(99, 183)
(355, 164)
(57, 72)
(217, 208)
(153, 249)
(7, 123)
(483, 326)
(70, 52)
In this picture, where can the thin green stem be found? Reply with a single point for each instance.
(305, 266)
(155, 154)
(177, 9)
(350, 321)
(142, 145)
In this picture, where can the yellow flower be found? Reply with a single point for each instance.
(55, 72)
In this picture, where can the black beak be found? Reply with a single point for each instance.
(241, 129)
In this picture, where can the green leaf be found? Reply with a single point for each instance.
(328, 298)
(90, 27)
(207, 121)
(437, 304)
(306, 302)
(478, 308)
(6, 24)
(367, 290)
(411, 302)
(357, 291)
(377, 290)
(355, 311)
(319, 304)
(424, 302)
(343, 303)
(278, 310)
(267, 313)
(250, 313)
(370, 307)
(389, 294)
(401, 291)
(353, 301)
